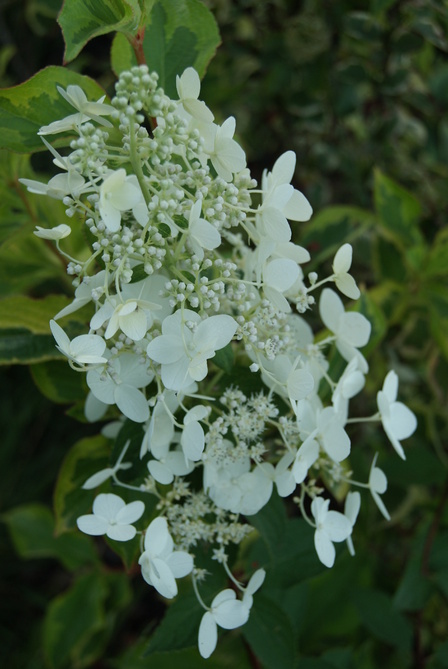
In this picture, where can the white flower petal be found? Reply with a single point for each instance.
(283, 170)
(390, 386)
(97, 479)
(300, 384)
(160, 472)
(193, 441)
(337, 526)
(343, 259)
(131, 402)
(355, 328)
(134, 325)
(275, 224)
(281, 274)
(378, 480)
(180, 563)
(177, 376)
(208, 635)
(230, 614)
(330, 309)
(347, 285)
(162, 578)
(157, 535)
(256, 581)
(60, 336)
(214, 332)
(107, 505)
(298, 208)
(93, 525)
(121, 532)
(130, 513)
(402, 421)
(324, 548)
(352, 506)
(166, 349)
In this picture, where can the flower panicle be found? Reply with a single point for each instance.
(193, 282)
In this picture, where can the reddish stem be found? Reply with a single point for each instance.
(137, 45)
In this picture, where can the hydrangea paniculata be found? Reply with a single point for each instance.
(193, 284)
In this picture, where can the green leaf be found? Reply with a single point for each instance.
(414, 590)
(25, 108)
(82, 20)
(20, 311)
(229, 652)
(436, 297)
(164, 230)
(138, 273)
(59, 382)
(368, 307)
(180, 221)
(32, 532)
(296, 558)
(224, 358)
(377, 613)
(179, 628)
(14, 211)
(398, 210)
(21, 347)
(271, 522)
(84, 459)
(437, 260)
(178, 34)
(332, 226)
(438, 562)
(26, 263)
(270, 634)
(389, 261)
(440, 658)
(122, 56)
(72, 621)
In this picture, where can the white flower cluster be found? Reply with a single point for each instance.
(193, 269)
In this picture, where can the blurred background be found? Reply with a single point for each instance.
(359, 90)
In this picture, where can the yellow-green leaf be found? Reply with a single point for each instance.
(20, 311)
(82, 20)
(25, 108)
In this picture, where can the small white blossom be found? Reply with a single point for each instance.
(118, 193)
(112, 517)
(188, 88)
(378, 486)
(83, 293)
(183, 353)
(343, 280)
(85, 349)
(71, 183)
(160, 564)
(351, 510)
(202, 234)
(281, 201)
(306, 457)
(255, 583)
(86, 111)
(120, 385)
(352, 330)
(56, 233)
(226, 611)
(399, 422)
(331, 526)
(226, 155)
